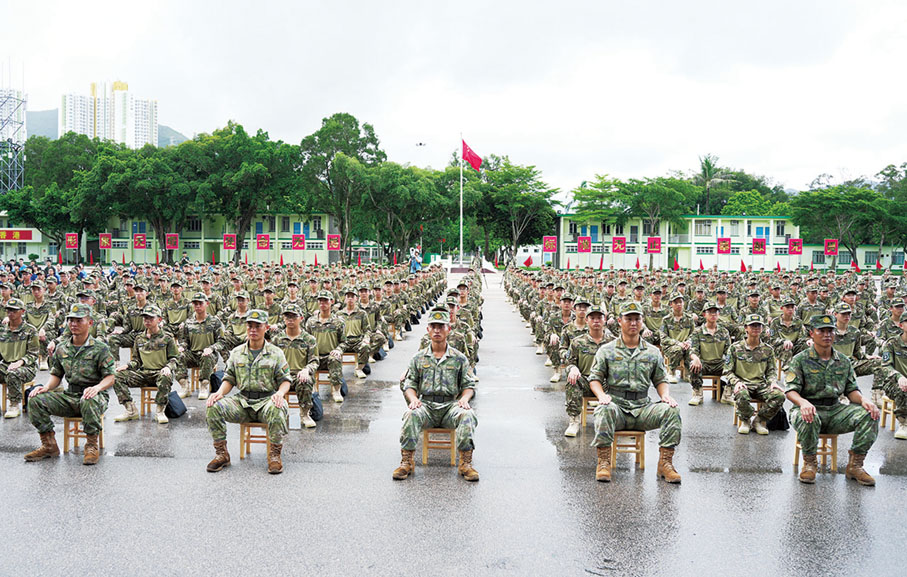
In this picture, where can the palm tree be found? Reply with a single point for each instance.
(710, 173)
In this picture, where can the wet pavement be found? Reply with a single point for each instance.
(149, 507)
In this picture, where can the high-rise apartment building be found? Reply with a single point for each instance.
(113, 114)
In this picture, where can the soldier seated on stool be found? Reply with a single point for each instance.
(815, 380)
(260, 371)
(438, 386)
(622, 372)
(708, 345)
(19, 349)
(750, 370)
(88, 367)
(201, 339)
(579, 358)
(893, 376)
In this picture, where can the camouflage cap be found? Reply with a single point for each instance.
(325, 295)
(630, 308)
(452, 301)
(268, 289)
(86, 293)
(140, 287)
(37, 284)
(567, 297)
(79, 311)
(753, 320)
(788, 302)
(849, 290)
(176, 282)
(596, 309)
(52, 279)
(199, 296)
(674, 296)
(899, 304)
(257, 316)
(350, 290)
(241, 295)
(581, 300)
(127, 280)
(822, 322)
(753, 293)
(438, 316)
(843, 307)
(151, 311)
(292, 309)
(15, 304)
(711, 305)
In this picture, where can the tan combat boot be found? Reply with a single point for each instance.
(335, 394)
(760, 426)
(696, 399)
(307, 421)
(810, 466)
(744, 428)
(465, 469)
(221, 458)
(603, 467)
(856, 471)
(130, 414)
(671, 377)
(275, 465)
(901, 433)
(573, 426)
(90, 456)
(727, 395)
(160, 416)
(204, 389)
(47, 449)
(666, 468)
(407, 465)
(556, 377)
(184, 388)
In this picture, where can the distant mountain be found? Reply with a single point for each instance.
(166, 136)
(42, 123)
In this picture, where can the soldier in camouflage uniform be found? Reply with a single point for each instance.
(786, 333)
(235, 324)
(155, 360)
(578, 359)
(437, 387)
(127, 323)
(259, 370)
(817, 377)
(39, 313)
(653, 316)
(750, 370)
(708, 345)
(356, 331)
(622, 372)
(811, 306)
(327, 329)
(893, 376)
(847, 342)
(89, 370)
(201, 339)
(576, 327)
(299, 348)
(554, 325)
(19, 351)
(376, 324)
(890, 328)
(676, 329)
(176, 309)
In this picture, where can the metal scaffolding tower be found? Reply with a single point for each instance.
(12, 139)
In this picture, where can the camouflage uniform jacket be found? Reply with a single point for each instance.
(815, 379)
(154, 352)
(710, 347)
(848, 343)
(622, 371)
(197, 335)
(582, 350)
(750, 366)
(779, 332)
(570, 332)
(40, 316)
(21, 343)
(675, 331)
(894, 358)
(448, 376)
(328, 334)
(299, 351)
(84, 366)
(258, 374)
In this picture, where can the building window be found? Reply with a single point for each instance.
(272, 223)
(52, 248)
(314, 245)
(245, 245)
(618, 230)
(749, 228)
(705, 250)
(735, 228)
(571, 249)
(123, 244)
(781, 251)
(897, 258)
(704, 228)
(779, 228)
(193, 224)
(631, 250)
(194, 245)
(844, 257)
(606, 229)
(735, 250)
(593, 232)
(285, 224)
(634, 233)
(21, 248)
(284, 245)
(316, 222)
(818, 257)
(571, 227)
(870, 257)
(646, 227)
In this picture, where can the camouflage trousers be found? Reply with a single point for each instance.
(333, 367)
(653, 339)
(376, 341)
(120, 341)
(64, 404)
(195, 359)
(865, 367)
(772, 400)
(142, 378)
(869, 341)
(15, 379)
(231, 341)
(786, 356)
(894, 392)
(711, 368)
(610, 418)
(360, 346)
(675, 355)
(235, 409)
(553, 351)
(441, 416)
(304, 389)
(575, 394)
(835, 420)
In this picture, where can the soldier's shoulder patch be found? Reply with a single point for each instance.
(791, 376)
(886, 356)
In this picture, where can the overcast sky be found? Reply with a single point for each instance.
(788, 89)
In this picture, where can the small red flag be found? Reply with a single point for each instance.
(212, 259)
(495, 261)
(878, 264)
(700, 265)
(124, 258)
(316, 260)
(742, 266)
(281, 260)
(637, 263)
(528, 261)
(395, 259)
(856, 266)
(778, 266)
(471, 157)
(60, 257)
(601, 262)
(358, 259)
(810, 266)
(247, 258)
(156, 260)
(90, 257)
(568, 263)
(676, 266)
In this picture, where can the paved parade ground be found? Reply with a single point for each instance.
(150, 508)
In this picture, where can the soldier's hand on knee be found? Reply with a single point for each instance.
(605, 399)
(121, 368)
(90, 392)
(872, 408)
(696, 365)
(902, 384)
(573, 375)
(669, 400)
(807, 411)
(336, 355)
(303, 376)
(207, 352)
(213, 398)
(15, 365)
(553, 340)
(37, 391)
(414, 405)
(166, 371)
(277, 399)
(788, 345)
(739, 387)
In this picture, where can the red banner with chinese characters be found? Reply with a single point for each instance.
(298, 242)
(831, 247)
(653, 244)
(333, 242)
(619, 244)
(229, 242)
(72, 240)
(263, 242)
(758, 246)
(549, 244)
(15, 235)
(584, 244)
(724, 246)
(172, 241)
(105, 240)
(795, 246)
(139, 242)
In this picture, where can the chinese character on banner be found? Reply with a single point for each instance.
(298, 242)
(263, 242)
(72, 240)
(795, 246)
(758, 246)
(229, 242)
(2, 235)
(139, 242)
(831, 247)
(105, 240)
(333, 242)
(619, 244)
(172, 241)
(724, 246)
(653, 244)
(549, 244)
(584, 244)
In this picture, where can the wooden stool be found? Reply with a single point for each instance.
(752, 402)
(73, 431)
(393, 331)
(350, 359)
(247, 438)
(321, 378)
(193, 380)
(446, 443)
(587, 409)
(779, 370)
(714, 386)
(828, 447)
(636, 446)
(147, 399)
(292, 404)
(887, 411)
(29, 384)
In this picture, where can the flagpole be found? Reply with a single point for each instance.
(461, 199)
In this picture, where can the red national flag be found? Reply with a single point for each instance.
(124, 258)
(742, 266)
(156, 261)
(471, 157)
(60, 256)
(878, 264)
(856, 266)
(90, 257)
(601, 262)
(495, 261)
(778, 266)
(212, 258)
(568, 263)
(358, 259)
(316, 260)
(700, 265)
(637, 263)
(810, 266)
(281, 260)
(395, 259)
(528, 261)
(676, 266)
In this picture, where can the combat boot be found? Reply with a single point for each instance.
(160, 416)
(556, 377)
(360, 374)
(744, 428)
(90, 456)
(407, 465)
(42, 363)
(367, 369)
(204, 389)
(540, 350)
(901, 433)
(47, 449)
(221, 457)
(856, 471)
(548, 362)
(573, 427)
(12, 412)
(759, 425)
(184, 388)
(465, 469)
(307, 421)
(603, 466)
(671, 377)
(727, 395)
(666, 468)
(275, 465)
(810, 466)
(696, 399)
(335, 394)
(131, 413)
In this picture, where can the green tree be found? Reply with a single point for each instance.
(710, 174)
(747, 202)
(892, 221)
(655, 200)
